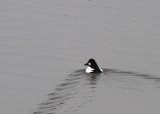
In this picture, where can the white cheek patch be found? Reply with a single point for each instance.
(89, 63)
(89, 70)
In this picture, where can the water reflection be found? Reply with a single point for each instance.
(82, 86)
(93, 78)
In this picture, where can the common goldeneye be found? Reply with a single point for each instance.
(92, 67)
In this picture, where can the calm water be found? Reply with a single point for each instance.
(44, 44)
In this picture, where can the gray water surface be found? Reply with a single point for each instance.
(113, 91)
(43, 42)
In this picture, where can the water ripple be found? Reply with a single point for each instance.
(79, 88)
(76, 83)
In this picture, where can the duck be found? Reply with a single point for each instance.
(92, 67)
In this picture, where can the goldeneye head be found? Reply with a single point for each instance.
(93, 67)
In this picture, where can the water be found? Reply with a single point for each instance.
(42, 43)
(113, 91)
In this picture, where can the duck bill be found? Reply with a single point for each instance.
(86, 64)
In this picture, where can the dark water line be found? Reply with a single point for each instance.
(63, 92)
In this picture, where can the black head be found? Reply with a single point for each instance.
(92, 63)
